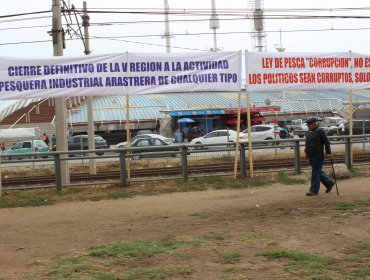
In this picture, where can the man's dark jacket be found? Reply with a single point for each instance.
(315, 142)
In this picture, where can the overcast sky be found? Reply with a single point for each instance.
(142, 32)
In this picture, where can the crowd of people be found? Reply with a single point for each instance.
(190, 132)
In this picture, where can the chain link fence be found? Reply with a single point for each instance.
(120, 166)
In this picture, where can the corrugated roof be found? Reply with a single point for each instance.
(149, 107)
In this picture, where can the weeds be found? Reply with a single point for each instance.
(139, 249)
(154, 273)
(351, 207)
(302, 263)
(285, 179)
(228, 257)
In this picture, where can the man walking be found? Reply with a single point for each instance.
(316, 140)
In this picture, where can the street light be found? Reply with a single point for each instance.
(279, 47)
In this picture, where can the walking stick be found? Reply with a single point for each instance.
(335, 177)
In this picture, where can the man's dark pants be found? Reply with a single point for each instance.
(317, 176)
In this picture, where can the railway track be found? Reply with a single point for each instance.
(149, 173)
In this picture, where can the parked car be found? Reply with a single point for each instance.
(218, 137)
(360, 127)
(142, 136)
(266, 132)
(24, 147)
(151, 144)
(81, 142)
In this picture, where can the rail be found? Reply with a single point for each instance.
(18, 120)
(42, 170)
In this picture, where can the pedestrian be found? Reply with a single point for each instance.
(53, 140)
(107, 137)
(185, 134)
(2, 147)
(342, 129)
(158, 127)
(46, 139)
(316, 141)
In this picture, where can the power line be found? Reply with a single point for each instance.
(25, 42)
(118, 38)
(149, 44)
(188, 20)
(23, 19)
(234, 32)
(25, 27)
(25, 14)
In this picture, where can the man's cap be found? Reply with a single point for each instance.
(311, 120)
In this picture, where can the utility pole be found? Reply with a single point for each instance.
(214, 24)
(167, 34)
(60, 104)
(90, 112)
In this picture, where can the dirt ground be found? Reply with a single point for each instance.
(35, 237)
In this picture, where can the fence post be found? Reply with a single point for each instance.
(297, 157)
(348, 153)
(122, 169)
(184, 163)
(243, 166)
(58, 172)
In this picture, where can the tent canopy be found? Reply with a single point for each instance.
(18, 132)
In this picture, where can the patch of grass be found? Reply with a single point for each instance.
(216, 236)
(345, 206)
(300, 212)
(284, 178)
(359, 259)
(120, 194)
(228, 257)
(139, 249)
(240, 268)
(208, 179)
(154, 273)
(27, 201)
(258, 182)
(362, 202)
(302, 263)
(359, 172)
(348, 206)
(71, 268)
(242, 184)
(234, 277)
(41, 197)
(234, 185)
(95, 198)
(256, 238)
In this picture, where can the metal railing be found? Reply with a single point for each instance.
(121, 166)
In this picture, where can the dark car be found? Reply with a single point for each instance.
(360, 127)
(151, 145)
(81, 142)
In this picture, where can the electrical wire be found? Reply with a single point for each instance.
(26, 42)
(108, 23)
(118, 38)
(223, 14)
(25, 14)
(24, 19)
(148, 44)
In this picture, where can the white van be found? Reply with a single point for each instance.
(333, 121)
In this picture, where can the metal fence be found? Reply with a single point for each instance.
(127, 165)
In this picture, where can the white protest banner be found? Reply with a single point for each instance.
(361, 71)
(119, 74)
(299, 71)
